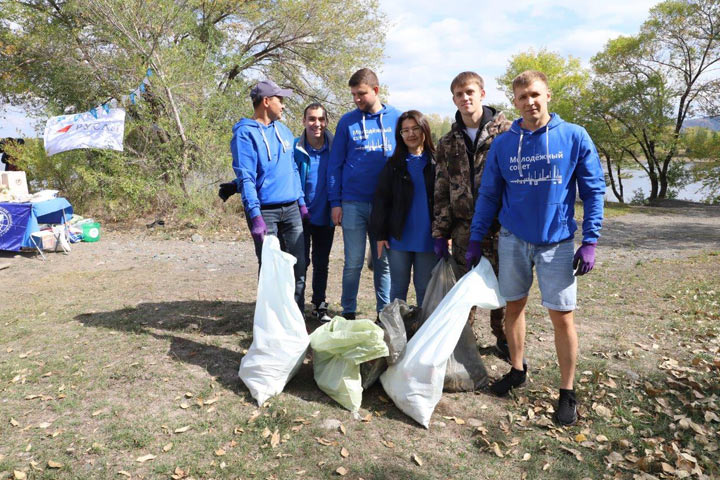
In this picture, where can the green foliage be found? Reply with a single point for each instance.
(703, 145)
(77, 54)
(101, 181)
(566, 78)
(649, 84)
(439, 126)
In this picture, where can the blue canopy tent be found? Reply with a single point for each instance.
(18, 221)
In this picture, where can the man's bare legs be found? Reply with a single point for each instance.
(515, 331)
(566, 341)
(566, 344)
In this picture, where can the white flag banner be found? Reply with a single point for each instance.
(95, 129)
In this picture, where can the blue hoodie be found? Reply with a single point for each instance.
(312, 165)
(363, 143)
(536, 197)
(264, 165)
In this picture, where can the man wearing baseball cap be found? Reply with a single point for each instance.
(268, 179)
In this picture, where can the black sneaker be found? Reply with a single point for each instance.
(320, 312)
(566, 411)
(349, 315)
(503, 349)
(512, 379)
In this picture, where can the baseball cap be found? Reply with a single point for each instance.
(268, 88)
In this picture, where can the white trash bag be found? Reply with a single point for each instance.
(415, 382)
(280, 339)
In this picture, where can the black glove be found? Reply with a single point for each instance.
(227, 190)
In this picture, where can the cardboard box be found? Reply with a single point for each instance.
(45, 239)
(15, 181)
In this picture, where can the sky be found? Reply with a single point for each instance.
(430, 41)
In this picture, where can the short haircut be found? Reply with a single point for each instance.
(366, 76)
(464, 78)
(313, 106)
(527, 77)
(257, 101)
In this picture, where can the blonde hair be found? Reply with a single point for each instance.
(527, 77)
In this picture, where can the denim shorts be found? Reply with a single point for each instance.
(553, 264)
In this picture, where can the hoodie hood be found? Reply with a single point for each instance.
(251, 123)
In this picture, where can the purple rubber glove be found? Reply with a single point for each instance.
(474, 253)
(259, 229)
(584, 259)
(440, 247)
(304, 214)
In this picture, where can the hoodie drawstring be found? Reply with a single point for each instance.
(547, 148)
(520, 153)
(547, 142)
(382, 131)
(267, 145)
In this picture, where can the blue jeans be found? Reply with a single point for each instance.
(285, 223)
(355, 219)
(321, 239)
(401, 261)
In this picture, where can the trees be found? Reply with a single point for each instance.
(703, 145)
(205, 54)
(566, 77)
(659, 78)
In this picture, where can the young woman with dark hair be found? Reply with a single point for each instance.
(403, 205)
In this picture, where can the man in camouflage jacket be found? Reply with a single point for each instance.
(457, 179)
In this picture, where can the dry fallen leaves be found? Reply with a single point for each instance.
(275, 439)
(323, 441)
(219, 452)
(145, 458)
(496, 449)
(54, 464)
(182, 429)
(341, 471)
(124, 473)
(344, 452)
(19, 475)
(388, 443)
(602, 411)
(417, 460)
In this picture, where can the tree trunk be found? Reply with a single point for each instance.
(663, 185)
(618, 194)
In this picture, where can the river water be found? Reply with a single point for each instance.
(639, 181)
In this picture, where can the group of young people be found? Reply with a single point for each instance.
(491, 188)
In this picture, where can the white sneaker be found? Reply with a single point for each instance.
(320, 312)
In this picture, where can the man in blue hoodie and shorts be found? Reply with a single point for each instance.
(530, 178)
(364, 140)
(267, 178)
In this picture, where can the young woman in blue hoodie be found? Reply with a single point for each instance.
(402, 207)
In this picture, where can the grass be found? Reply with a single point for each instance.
(127, 373)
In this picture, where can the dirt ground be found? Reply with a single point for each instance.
(177, 306)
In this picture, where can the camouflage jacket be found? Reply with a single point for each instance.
(454, 198)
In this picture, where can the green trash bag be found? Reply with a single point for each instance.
(339, 347)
